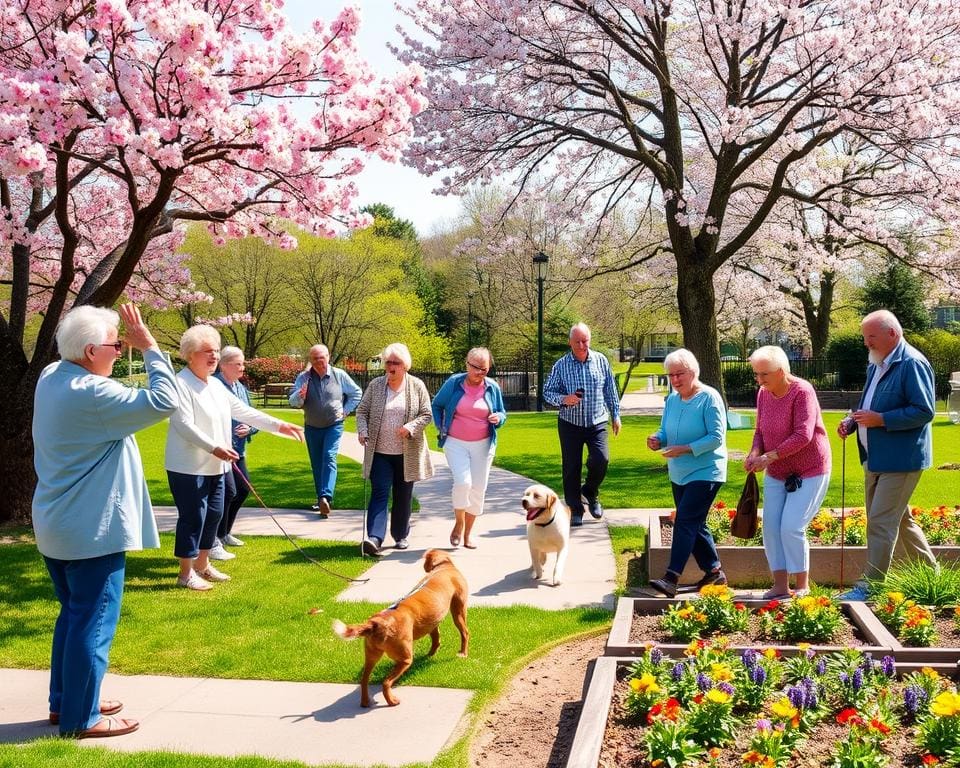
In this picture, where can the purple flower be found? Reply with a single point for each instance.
(844, 678)
(856, 682)
(889, 666)
(758, 675)
(911, 700)
(764, 725)
(821, 666)
(749, 658)
(656, 656)
(797, 696)
(726, 688)
(678, 669)
(704, 683)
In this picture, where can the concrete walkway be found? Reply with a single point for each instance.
(321, 723)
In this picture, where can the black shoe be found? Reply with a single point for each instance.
(370, 547)
(665, 586)
(576, 520)
(713, 577)
(593, 505)
(403, 544)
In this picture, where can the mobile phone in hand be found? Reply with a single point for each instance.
(579, 392)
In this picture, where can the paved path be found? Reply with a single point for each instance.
(321, 723)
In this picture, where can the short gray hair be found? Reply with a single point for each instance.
(773, 355)
(579, 327)
(82, 326)
(482, 352)
(193, 337)
(230, 353)
(885, 319)
(685, 358)
(398, 351)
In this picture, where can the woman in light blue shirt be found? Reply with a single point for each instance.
(692, 439)
(91, 505)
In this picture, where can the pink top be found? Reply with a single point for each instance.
(793, 427)
(470, 417)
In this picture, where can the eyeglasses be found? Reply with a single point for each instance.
(392, 362)
(117, 345)
(476, 367)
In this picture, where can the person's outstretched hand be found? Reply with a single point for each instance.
(135, 331)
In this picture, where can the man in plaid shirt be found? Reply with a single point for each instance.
(581, 385)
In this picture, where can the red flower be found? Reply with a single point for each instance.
(880, 726)
(849, 716)
(740, 606)
(772, 605)
(669, 710)
(929, 759)
(698, 698)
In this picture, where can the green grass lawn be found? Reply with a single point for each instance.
(637, 477)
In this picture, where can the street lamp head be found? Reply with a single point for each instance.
(540, 260)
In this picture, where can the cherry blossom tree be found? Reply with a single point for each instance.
(120, 120)
(688, 109)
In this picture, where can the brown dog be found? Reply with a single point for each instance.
(394, 629)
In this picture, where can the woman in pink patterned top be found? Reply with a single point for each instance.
(792, 448)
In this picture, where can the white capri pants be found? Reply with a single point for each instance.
(785, 520)
(469, 461)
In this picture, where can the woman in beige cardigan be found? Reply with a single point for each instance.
(391, 418)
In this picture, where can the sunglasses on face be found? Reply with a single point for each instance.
(117, 345)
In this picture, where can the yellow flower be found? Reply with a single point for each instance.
(931, 673)
(684, 613)
(720, 672)
(646, 683)
(719, 591)
(784, 710)
(803, 646)
(947, 704)
(895, 597)
(717, 696)
(700, 616)
(771, 653)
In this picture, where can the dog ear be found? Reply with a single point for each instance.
(433, 558)
(551, 499)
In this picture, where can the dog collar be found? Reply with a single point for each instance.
(544, 525)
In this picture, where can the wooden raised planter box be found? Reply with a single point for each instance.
(876, 637)
(592, 726)
(934, 656)
(747, 566)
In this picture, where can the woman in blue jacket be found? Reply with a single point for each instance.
(468, 410)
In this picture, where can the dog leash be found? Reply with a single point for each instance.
(307, 557)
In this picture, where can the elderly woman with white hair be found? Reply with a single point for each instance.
(791, 447)
(391, 418)
(692, 439)
(200, 451)
(230, 372)
(91, 505)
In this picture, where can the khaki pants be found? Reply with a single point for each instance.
(891, 529)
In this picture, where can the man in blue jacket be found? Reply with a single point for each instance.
(892, 424)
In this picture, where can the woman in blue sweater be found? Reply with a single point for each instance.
(692, 439)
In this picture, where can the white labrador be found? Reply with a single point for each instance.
(548, 530)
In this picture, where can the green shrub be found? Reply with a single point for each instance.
(923, 583)
(848, 357)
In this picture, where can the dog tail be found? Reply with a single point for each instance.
(351, 631)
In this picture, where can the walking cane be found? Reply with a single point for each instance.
(843, 501)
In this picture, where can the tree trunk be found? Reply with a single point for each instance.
(16, 440)
(697, 303)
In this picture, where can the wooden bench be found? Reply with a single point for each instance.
(277, 391)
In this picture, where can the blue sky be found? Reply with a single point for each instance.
(396, 185)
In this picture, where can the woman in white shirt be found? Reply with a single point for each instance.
(200, 450)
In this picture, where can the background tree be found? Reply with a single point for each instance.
(901, 290)
(123, 119)
(683, 110)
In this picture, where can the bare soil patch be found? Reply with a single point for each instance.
(533, 723)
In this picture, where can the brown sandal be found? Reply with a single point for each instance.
(116, 726)
(107, 707)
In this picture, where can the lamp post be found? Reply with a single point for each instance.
(540, 265)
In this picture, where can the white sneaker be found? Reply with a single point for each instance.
(193, 581)
(217, 552)
(212, 574)
(232, 541)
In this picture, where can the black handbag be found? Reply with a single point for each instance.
(745, 523)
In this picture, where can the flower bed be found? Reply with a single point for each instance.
(918, 635)
(726, 709)
(636, 625)
(745, 565)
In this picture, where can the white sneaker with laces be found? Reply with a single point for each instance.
(212, 574)
(232, 541)
(193, 581)
(217, 552)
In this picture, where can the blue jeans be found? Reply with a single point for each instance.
(199, 500)
(386, 474)
(323, 445)
(90, 592)
(690, 532)
(235, 492)
(785, 520)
